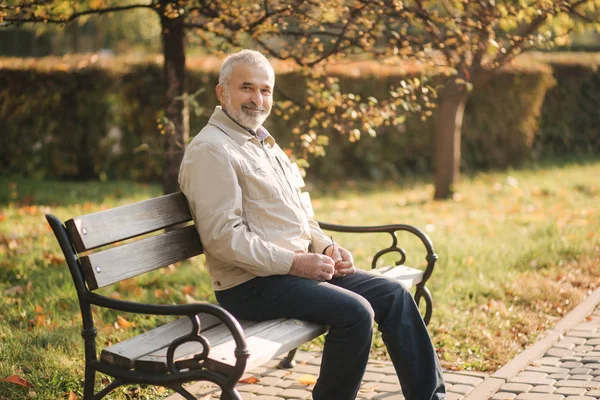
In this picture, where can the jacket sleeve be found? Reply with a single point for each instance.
(209, 181)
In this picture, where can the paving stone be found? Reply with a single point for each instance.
(387, 387)
(561, 377)
(572, 358)
(593, 392)
(556, 352)
(589, 360)
(580, 398)
(267, 398)
(390, 379)
(516, 387)
(383, 369)
(575, 340)
(462, 389)
(373, 376)
(585, 335)
(532, 381)
(389, 396)
(269, 391)
(251, 387)
(595, 372)
(580, 371)
(454, 396)
(278, 373)
(547, 369)
(306, 369)
(504, 396)
(295, 394)
(570, 391)
(593, 342)
(571, 364)
(549, 361)
(543, 389)
(565, 345)
(581, 377)
(583, 349)
(462, 379)
(269, 380)
(579, 384)
(533, 374)
(586, 326)
(539, 396)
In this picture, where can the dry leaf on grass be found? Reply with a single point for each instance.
(17, 380)
(73, 396)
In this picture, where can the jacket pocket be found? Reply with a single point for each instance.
(258, 182)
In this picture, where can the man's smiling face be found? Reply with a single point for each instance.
(248, 97)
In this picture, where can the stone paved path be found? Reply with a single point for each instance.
(380, 382)
(563, 365)
(569, 370)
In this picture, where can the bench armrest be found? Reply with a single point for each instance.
(431, 256)
(191, 311)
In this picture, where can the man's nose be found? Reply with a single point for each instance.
(257, 98)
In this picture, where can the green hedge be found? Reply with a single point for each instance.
(81, 119)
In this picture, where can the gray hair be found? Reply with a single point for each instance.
(249, 57)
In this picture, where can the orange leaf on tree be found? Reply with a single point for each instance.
(188, 289)
(17, 380)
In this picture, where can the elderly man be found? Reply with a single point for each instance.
(268, 259)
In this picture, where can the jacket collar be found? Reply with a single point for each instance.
(234, 130)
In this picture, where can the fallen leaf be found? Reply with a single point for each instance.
(39, 309)
(123, 323)
(17, 380)
(73, 396)
(307, 379)
(250, 379)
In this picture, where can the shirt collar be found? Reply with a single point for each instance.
(237, 132)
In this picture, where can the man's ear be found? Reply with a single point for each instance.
(220, 90)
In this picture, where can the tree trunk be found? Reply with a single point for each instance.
(173, 38)
(447, 138)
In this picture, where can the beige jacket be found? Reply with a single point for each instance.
(245, 207)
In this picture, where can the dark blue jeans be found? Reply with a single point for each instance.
(349, 305)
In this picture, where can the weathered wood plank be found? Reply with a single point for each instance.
(123, 354)
(157, 361)
(135, 258)
(407, 275)
(120, 223)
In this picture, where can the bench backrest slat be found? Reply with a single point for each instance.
(120, 223)
(135, 258)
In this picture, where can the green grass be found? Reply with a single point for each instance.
(517, 249)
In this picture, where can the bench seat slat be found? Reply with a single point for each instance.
(135, 258)
(123, 354)
(267, 339)
(157, 361)
(120, 223)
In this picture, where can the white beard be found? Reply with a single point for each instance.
(243, 117)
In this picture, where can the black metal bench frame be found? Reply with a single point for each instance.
(200, 366)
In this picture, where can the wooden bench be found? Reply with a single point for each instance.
(209, 344)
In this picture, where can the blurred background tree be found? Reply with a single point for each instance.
(467, 40)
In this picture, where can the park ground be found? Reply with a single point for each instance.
(518, 249)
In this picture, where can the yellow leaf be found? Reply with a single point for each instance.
(307, 379)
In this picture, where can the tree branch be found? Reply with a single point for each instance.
(76, 15)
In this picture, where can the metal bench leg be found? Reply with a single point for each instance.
(288, 362)
(230, 395)
(423, 292)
